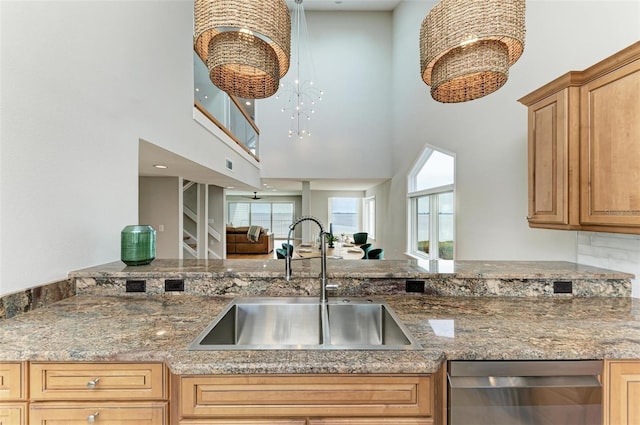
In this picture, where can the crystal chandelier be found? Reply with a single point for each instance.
(298, 87)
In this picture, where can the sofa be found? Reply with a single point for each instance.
(239, 243)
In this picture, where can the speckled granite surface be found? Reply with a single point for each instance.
(33, 298)
(159, 328)
(444, 278)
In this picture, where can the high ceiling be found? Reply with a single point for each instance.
(179, 166)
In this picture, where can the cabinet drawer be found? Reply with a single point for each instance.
(97, 381)
(104, 413)
(243, 422)
(371, 421)
(13, 413)
(12, 381)
(318, 395)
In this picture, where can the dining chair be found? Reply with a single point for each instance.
(365, 248)
(375, 254)
(281, 253)
(360, 238)
(289, 247)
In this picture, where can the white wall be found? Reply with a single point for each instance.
(216, 218)
(381, 193)
(351, 129)
(159, 206)
(489, 135)
(82, 83)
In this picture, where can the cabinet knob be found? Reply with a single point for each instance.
(92, 384)
(92, 418)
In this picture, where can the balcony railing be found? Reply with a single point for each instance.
(223, 110)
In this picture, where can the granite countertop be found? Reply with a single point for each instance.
(160, 327)
(354, 269)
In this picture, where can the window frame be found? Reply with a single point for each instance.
(271, 204)
(433, 193)
(369, 206)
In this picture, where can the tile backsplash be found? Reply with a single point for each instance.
(612, 251)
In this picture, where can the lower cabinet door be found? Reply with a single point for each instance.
(103, 413)
(13, 413)
(370, 421)
(622, 392)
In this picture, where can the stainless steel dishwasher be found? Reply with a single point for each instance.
(524, 392)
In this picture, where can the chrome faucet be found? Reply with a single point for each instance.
(323, 256)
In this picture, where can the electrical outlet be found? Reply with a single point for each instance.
(174, 285)
(136, 286)
(415, 286)
(563, 287)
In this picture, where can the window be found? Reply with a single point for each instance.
(369, 216)
(344, 215)
(431, 206)
(275, 216)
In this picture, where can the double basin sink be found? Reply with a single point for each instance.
(302, 323)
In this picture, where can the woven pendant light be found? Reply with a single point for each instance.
(241, 64)
(467, 47)
(254, 35)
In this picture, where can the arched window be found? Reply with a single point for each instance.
(431, 184)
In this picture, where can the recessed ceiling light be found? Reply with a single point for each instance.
(230, 187)
(162, 166)
(247, 103)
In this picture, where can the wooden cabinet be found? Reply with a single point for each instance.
(583, 155)
(107, 393)
(13, 393)
(316, 399)
(371, 421)
(243, 422)
(104, 413)
(610, 148)
(13, 413)
(553, 157)
(621, 392)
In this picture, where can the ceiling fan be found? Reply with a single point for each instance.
(254, 197)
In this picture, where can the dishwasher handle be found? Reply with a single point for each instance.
(523, 381)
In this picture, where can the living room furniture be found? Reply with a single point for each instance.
(238, 242)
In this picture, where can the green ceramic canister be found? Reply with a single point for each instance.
(137, 245)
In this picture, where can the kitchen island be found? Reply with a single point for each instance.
(490, 311)
(160, 328)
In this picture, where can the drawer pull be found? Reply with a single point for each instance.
(92, 418)
(92, 384)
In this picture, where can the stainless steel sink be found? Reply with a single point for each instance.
(305, 324)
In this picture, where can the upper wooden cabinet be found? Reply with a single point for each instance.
(610, 148)
(584, 155)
